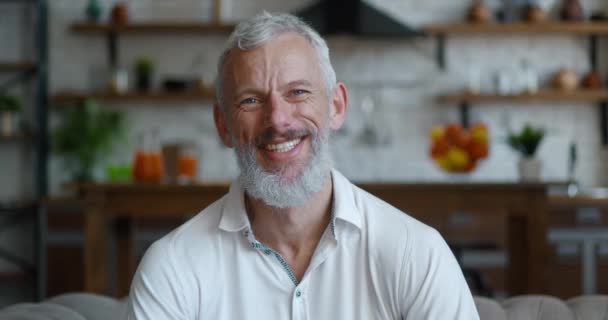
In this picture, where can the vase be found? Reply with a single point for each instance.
(93, 11)
(479, 12)
(572, 10)
(120, 14)
(529, 169)
(143, 81)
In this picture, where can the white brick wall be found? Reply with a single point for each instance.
(401, 74)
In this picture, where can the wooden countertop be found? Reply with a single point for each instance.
(593, 199)
(224, 185)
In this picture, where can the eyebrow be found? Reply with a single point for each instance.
(296, 83)
(245, 91)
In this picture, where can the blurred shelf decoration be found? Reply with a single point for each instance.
(593, 93)
(176, 90)
(591, 29)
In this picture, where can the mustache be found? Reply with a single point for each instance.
(271, 134)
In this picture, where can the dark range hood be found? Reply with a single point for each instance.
(354, 17)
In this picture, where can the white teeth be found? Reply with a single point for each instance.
(283, 147)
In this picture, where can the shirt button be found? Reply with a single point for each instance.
(298, 293)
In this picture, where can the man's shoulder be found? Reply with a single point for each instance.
(392, 235)
(382, 217)
(197, 230)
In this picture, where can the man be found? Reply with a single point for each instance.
(293, 238)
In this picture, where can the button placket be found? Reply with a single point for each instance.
(299, 303)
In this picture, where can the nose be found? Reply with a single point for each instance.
(279, 113)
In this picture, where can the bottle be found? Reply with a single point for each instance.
(530, 78)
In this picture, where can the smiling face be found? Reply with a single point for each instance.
(275, 104)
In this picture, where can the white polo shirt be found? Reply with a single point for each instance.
(373, 262)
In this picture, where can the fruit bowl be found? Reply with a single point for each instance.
(458, 150)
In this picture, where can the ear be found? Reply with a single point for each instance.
(220, 124)
(339, 107)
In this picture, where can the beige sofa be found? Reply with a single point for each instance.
(535, 307)
(84, 306)
(70, 306)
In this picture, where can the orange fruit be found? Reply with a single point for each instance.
(463, 140)
(437, 132)
(470, 166)
(478, 150)
(444, 163)
(439, 147)
(453, 130)
(479, 132)
(457, 157)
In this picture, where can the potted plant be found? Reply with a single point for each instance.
(144, 68)
(86, 134)
(10, 107)
(526, 142)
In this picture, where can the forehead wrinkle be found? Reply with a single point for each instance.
(275, 65)
(247, 71)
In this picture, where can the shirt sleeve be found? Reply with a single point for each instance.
(157, 290)
(432, 285)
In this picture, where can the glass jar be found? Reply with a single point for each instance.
(148, 161)
(188, 163)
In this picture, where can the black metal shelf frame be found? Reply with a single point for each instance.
(13, 215)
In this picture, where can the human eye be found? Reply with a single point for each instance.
(249, 103)
(299, 92)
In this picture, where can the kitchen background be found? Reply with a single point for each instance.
(384, 139)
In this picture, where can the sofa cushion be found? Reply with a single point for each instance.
(91, 306)
(536, 307)
(39, 311)
(592, 307)
(489, 309)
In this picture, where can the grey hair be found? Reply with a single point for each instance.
(262, 28)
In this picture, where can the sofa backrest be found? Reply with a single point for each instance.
(86, 306)
(538, 307)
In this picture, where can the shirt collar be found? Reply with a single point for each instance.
(234, 216)
(344, 205)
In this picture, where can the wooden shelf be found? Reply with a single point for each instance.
(578, 200)
(16, 66)
(13, 275)
(541, 96)
(15, 137)
(154, 96)
(519, 27)
(152, 27)
(17, 205)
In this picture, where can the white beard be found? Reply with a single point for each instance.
(273, 188)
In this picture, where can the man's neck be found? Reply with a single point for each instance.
(293, 232)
